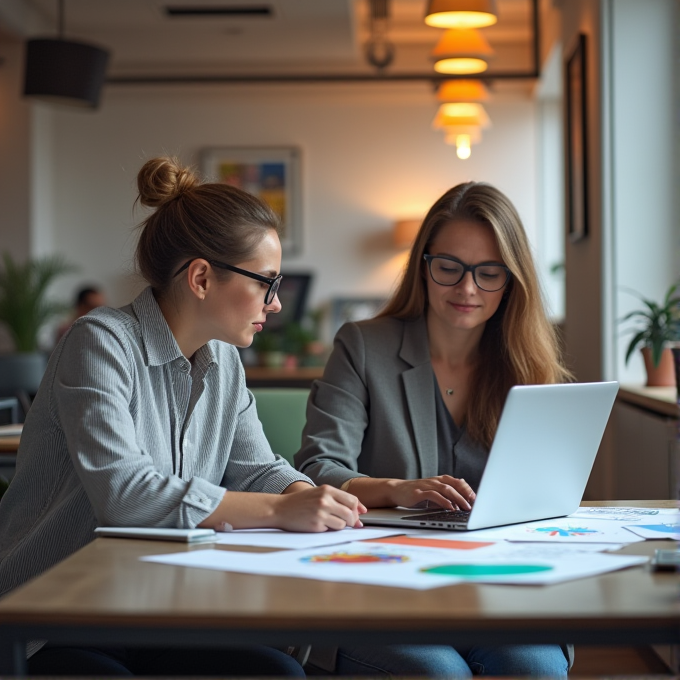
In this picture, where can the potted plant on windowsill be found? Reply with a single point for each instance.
(24, 310)
(658, 325)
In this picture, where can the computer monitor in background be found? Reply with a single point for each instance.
(293, 294)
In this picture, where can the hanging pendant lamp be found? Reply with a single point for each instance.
(462, 123)
(461, 13)
(461, 52)
(463, 91)
(64, 70)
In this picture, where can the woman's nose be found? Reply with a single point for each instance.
(467, 283)
(274, 307)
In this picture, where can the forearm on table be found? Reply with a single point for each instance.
(373, 492)
(245, 510)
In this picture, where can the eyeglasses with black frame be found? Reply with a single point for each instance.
(273, 283)
(447, 270)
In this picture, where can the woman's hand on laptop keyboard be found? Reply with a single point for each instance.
(444, 491)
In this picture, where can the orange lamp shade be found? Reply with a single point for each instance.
(453, 132)
(462, 51)
(461, 114)
(461, 13)
(463, 91)
(405, 232)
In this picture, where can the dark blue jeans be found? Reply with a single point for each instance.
(125, 662)
(438, 661)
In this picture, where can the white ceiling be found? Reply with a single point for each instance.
(299, 36)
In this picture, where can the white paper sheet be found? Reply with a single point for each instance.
(562, 530)
(656, 529)
(275, 538)
(403, 567)
(624, 514)
(573, 547)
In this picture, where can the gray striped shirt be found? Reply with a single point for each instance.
(125, 431)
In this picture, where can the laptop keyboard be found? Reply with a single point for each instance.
(442, 516)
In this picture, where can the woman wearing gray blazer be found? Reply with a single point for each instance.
(143, 417)
(409, 401)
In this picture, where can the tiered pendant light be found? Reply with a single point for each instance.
(461, 116)
(461, 13)
(462, 52)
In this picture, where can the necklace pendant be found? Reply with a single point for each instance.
(449, 391)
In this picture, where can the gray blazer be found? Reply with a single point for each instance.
(373, 413)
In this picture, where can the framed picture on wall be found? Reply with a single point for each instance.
(576, 141)
(272, 174)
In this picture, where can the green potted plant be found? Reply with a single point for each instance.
(267, 345)
(24, 310)
(657, 326)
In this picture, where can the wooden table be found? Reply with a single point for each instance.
(104, 595)
(9, 444)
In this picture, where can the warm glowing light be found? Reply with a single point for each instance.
(460, 66)
(461, 110)
(463, 91)
(463, 149)
(452, 132)
(461, 51)
(461, 13)
(404, 232)
(463, 113)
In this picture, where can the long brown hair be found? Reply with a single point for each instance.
(519, 345)
(194, 219)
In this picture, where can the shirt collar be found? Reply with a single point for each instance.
(159, 342)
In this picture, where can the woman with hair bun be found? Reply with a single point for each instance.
(409, 401)
(143, 417)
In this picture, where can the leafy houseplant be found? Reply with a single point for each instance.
(24, 310)
(658, 324)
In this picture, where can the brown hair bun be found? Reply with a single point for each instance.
(162, 179)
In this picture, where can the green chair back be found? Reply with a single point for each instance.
(282, 412)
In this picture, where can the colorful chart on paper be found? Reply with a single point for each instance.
(563, 531)
(355, 558)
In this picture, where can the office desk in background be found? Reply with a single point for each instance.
(8, 455)
(104, 594)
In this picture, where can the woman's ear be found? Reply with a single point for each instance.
(199, 277)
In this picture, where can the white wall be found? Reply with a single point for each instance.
(644, 150)
(369, 157)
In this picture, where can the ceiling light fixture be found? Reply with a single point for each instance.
(463, 90)
(461, 13)
(462, 123)
(64, 70)
(462, 51)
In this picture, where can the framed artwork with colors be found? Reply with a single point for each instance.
(270, 173)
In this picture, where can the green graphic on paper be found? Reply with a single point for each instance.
(473, 570)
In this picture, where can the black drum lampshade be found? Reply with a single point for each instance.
(63, 70)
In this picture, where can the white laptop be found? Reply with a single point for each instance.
(539, 463)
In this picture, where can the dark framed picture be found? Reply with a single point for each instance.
(576, 141)
(353, 309)
(272, 174)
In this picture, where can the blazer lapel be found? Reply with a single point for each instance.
(419, 389)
